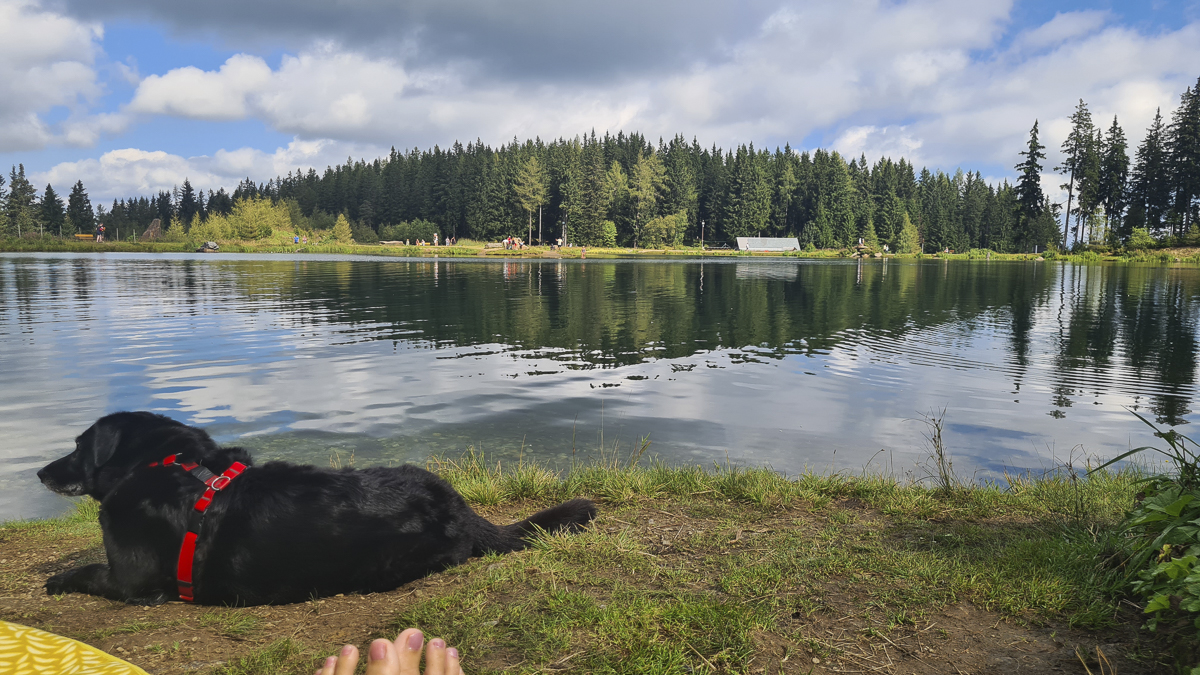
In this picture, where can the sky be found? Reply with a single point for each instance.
(133, 96)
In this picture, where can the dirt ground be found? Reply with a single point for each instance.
(179, 638)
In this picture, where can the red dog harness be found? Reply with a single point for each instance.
(187, 552)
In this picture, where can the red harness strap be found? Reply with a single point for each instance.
(187, 552)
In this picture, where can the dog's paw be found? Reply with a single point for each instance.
(60, 583)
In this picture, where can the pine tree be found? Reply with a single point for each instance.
(79, 210)
(53, 211)
(786, 182)
(1089, 188)
(1150, 194)
(1030, 200)
(649, 176)
(1075, 154)
(1114, 173)
(588, 196)
(341, 230)
(1183, 148)
(19, 207)
(188, 206)
(682, 193)
(531, 191)
(748, 204)
(909, 240)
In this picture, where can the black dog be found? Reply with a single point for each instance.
(277, 533)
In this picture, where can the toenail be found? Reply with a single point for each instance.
(415, 641)
(437, 643)
(378, 650)
(346, 650)
(331, 661)
(452, 652)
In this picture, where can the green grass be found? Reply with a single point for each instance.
(1032, 549)
(282, 657)
(735, 554)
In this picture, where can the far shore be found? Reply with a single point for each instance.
(283, 244)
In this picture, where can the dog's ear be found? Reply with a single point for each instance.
(104, 444)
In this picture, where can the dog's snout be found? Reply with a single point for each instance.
(41, 474)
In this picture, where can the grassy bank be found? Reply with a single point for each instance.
(687, 570)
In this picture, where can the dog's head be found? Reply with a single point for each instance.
(107, 451)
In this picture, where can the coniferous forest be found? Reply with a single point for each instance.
(626, 190)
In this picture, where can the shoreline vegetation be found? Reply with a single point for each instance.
(282, 242)
(718, 570)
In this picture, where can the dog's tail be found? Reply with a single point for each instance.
(566, 517)
(569, 516)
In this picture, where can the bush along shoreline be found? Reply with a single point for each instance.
(725, 569)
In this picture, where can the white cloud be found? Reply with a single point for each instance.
(132, 172)
(931, 80)
(191, 92)
(46, 61)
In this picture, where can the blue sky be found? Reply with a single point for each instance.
(131, 96)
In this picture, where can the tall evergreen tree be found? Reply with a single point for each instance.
(1088, 185)
(188, 207)
(1183, 148)
(53, 211)
(1114, 173)
(1076, 149)
(1030, 200)
(588, 196)
(19, 205)
(784, 193)
(1150, 194)
(79, 210)
(531, 191)
(682, 191)
(647, 179)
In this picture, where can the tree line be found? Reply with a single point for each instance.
(624, 190)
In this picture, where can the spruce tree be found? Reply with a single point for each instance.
(188, 206)
(1114, 173)
(909, 240)
(19, 205)
(1075, 149)
(1183, 149)
(341, 230)
(1150, 194)
(786, 182)
(748, 204)
(1029, 190)
(53, 211)
(682, 192)
(79, 210)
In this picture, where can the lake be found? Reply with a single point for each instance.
(792, 364)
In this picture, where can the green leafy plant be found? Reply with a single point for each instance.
(1164, 531)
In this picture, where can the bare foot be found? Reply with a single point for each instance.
(400, 657)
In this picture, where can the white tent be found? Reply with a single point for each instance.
(768, 244)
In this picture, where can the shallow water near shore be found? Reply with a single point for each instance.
(793, 364)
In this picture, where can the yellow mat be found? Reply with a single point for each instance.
(29, 651)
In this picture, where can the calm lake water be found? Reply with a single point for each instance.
(785, 363)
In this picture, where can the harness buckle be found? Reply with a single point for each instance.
(220, 482)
